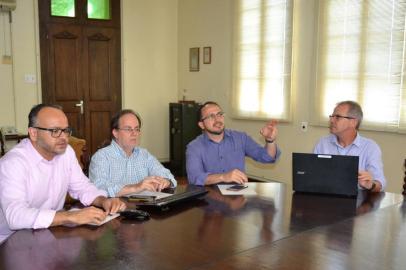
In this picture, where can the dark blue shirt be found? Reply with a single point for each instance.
(204, 156)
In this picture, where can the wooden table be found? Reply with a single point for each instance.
(273, 230)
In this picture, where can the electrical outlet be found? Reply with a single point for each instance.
(303, 126)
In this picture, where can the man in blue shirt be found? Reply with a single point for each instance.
(122, 167)
(218, 155)
(345, 140)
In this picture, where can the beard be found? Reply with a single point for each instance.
(216, 132)
(56, 149)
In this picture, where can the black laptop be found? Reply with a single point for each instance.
(325, 174)
(179, 194)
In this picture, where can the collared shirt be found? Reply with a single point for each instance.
(205, 157)
(368, 151)
(111, 169)
(32, 188)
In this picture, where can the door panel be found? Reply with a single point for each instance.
(100, 56)
(102, 87)
(65, 55)
(80, 65)
(100, 129)
(63, 72)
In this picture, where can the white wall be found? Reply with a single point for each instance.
(149, 52)
(210, 23)
(19, 96)
(150, 57)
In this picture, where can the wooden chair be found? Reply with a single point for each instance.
(79, 146)
(404, 180)
(1, 144)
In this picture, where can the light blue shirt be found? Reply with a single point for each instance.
(111, 169)
(368, 151)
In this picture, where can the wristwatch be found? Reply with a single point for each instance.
(373, 186)
(269, 141)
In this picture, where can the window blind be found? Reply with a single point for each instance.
(361, 56)
(262, 59)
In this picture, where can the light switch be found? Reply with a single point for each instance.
(30, 78)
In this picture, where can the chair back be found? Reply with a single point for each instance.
(404, 179)
(79, 146)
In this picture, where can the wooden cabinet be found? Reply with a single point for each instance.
(183, 118)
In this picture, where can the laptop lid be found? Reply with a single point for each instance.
(180, 194)
(325, 174)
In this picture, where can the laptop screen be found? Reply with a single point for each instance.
(325, 174)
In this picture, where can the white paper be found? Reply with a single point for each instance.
(107, 219)
(246, 191)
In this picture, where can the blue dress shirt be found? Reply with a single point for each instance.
(111, 169)
(204, 156)
(370, 156)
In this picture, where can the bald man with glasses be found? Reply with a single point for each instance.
(36, 175)
(218, 155)
(345, 140)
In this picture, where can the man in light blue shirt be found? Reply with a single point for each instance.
(345, 140)
(122, 167)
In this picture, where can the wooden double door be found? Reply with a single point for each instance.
(81, 68)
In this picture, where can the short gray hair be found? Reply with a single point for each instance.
(354, 110)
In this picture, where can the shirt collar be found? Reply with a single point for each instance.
(35, 156)
(120, 150)
(356, 142)
(227, 133)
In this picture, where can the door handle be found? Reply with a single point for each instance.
(80, 104)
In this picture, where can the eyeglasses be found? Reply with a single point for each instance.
(130, 130)
(337, 116)
(57, 132)
(214, 116)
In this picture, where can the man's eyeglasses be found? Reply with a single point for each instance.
(214, 116)
(130, 130)
(337, 116)
(57, 132)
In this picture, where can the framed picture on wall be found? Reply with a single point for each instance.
(207, 55)
(194, 59)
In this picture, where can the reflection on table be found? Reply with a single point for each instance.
(274, 229)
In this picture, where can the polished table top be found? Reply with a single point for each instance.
(276, 229)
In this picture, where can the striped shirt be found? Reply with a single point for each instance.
(111, 169)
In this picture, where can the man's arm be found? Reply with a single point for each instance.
(265, 154)
(271, 148)
(151, 183)
(234, 176)
(366, 181)
(270, 132)
(196, 173)
(96, 215)
(373, 170)
(100, 176)
(14, 175)
(155, 168)
(83, 216)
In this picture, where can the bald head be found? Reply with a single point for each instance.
(43, 120)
